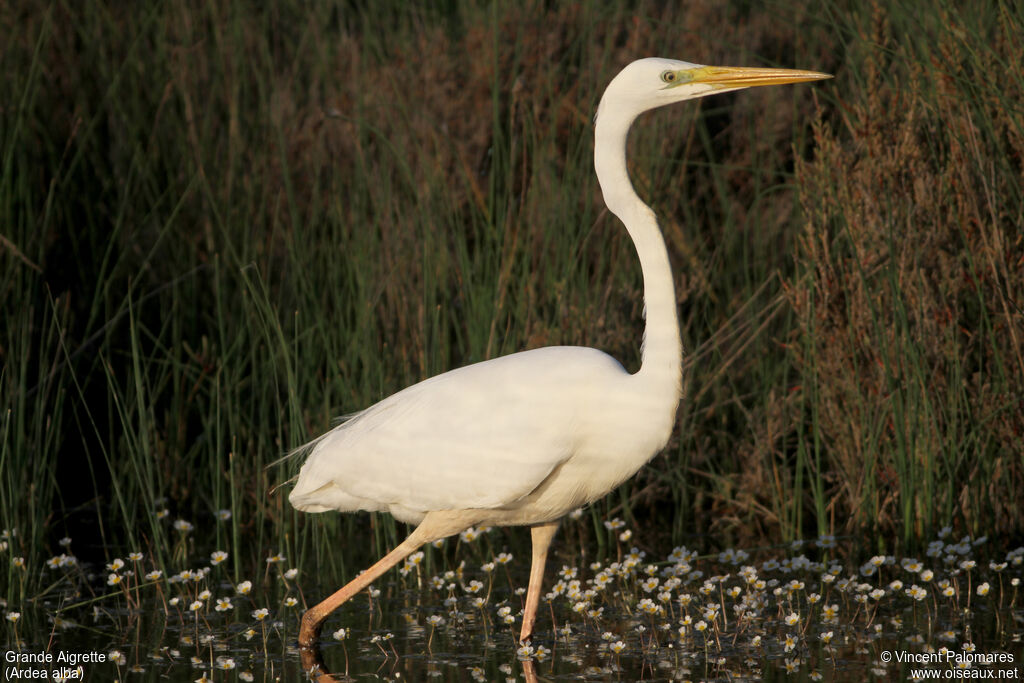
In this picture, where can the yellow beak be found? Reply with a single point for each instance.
(748, 77)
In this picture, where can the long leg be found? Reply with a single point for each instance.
(314, 617)
(542, 535)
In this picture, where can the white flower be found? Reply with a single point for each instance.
(614, 524)
(650, 607)
(917, 593)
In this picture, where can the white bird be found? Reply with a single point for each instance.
(526, 438)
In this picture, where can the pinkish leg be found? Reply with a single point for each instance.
(542, 535)
(314, 617)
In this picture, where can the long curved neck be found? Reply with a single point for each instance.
(662, 350)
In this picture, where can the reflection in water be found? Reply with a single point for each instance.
(314, 667)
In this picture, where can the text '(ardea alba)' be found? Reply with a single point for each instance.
(526, 438)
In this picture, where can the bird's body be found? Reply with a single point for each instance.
(503, 458)
(524, 439)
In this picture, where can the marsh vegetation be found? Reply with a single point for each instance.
(221, 227)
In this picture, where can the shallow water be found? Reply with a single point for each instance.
(784, 613)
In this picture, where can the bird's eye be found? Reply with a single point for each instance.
(668, 76)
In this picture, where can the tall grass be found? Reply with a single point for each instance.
(223, 226)
(911, 342)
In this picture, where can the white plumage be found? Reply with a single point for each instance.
(497, 430)
(524, 439)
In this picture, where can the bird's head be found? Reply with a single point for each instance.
(654, 82)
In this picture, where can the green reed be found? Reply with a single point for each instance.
(224, 228)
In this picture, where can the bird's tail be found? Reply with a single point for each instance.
(307, 447)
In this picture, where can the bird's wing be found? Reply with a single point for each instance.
(482, 436)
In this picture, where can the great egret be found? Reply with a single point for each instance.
(526, 438)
